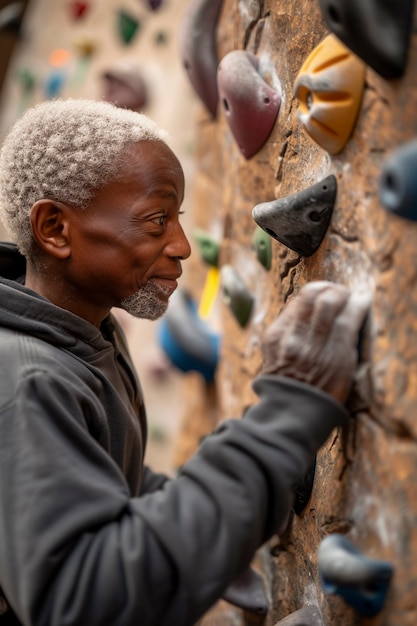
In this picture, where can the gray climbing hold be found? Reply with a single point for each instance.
(300, 220)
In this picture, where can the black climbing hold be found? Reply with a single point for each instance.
(300, 220)
(378, 31)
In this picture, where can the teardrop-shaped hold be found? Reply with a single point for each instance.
(78, 9)
(236, 295)
(208, 246)
(186, 338)
(11, 17)
(398, 184)
(361, 581)
(261, 243)
(247, 592)
(329, 88)
(251, 106)
(307, 616)
(128, 26)
(378, 31)
(198, 51)
(303, 489)
(300, 220)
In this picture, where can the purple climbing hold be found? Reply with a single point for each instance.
(251, 105)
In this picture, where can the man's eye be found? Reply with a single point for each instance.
(160, 220)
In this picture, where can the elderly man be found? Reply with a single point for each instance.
(91, 195)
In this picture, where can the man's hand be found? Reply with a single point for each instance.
(315, 339)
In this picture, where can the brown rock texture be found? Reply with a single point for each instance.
(365, 484)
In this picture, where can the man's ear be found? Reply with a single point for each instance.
(49, 220)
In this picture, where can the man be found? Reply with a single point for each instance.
(91, 194)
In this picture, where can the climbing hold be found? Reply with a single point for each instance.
(247, 592)
(261, 243)
(128, 26)
(125, 86)
(11, 17)
(186, 338)
(198, 49)
(362, 582)
(307, 616)
(329, 88)
(303, 489)
(251, 106)
(59, 57)
(208, 246)
(161, 38)
(78, 9)
(27, 80)
(54, 84)
(378, 31)
(299, 220)
(210, 292)
(85, 47)
(154, 5)
(398, 184)
(236, 295)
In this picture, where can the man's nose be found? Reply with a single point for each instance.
(179, 246)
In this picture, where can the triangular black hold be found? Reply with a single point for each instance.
(299, 221)
(377, 31)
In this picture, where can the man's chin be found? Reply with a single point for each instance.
(149, 302)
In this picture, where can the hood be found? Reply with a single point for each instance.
(25, 311)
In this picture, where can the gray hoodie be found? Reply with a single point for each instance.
(88, 535)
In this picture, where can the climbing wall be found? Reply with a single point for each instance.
(348, 118)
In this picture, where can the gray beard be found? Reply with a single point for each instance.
(146, 303)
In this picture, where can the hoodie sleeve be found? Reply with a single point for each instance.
(76, 549)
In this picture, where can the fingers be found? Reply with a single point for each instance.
(328, 305)
(355, 311)
(316, 331)
(299, 310)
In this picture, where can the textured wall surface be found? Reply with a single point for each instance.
(365, 485)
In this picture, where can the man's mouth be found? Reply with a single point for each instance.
(168, 285)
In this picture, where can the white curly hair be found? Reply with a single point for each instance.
(64, 150)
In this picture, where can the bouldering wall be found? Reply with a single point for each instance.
(364, 485)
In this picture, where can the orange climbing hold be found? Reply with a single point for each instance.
(329, 88)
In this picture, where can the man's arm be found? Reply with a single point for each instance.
(79, 550)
